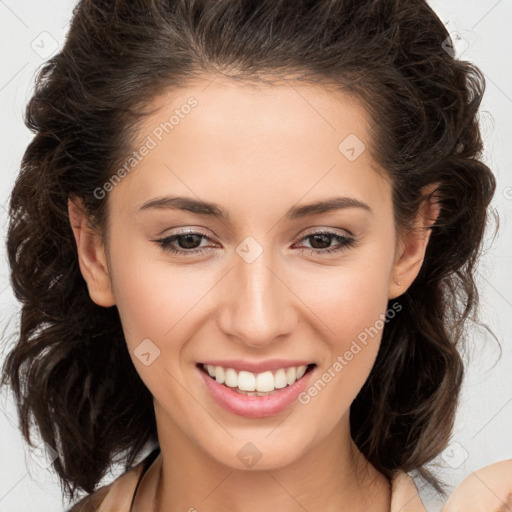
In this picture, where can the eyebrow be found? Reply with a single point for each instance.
(214, 210)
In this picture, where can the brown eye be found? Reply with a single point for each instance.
(184, 243)
(321, 242)
(188, 241)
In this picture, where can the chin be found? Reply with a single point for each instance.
(259, 453)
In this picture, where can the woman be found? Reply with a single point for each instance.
(245, 234)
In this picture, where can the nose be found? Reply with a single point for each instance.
(259, 306)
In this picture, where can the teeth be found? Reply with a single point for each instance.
(260, 384)
(264, 381)
(280, 379)
(219, 375)
(231, 378)
(246, 381)
(291, 375)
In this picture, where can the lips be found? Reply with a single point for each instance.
(251, 402)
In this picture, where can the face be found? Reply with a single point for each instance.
(260, 281)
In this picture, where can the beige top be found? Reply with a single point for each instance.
(118, 496)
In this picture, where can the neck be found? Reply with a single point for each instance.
(332, 476)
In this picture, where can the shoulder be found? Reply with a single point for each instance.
(116, 495)
(92, 502)
(488, 489)
(404, 494)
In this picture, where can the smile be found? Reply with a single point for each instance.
(260, 384)
(255, 395)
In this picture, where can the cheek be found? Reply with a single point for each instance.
(157, 300)
(157, 303)
(347, 299)
(153, 297)
(353, 343)
(351, 303)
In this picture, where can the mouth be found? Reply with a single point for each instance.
(252, 384)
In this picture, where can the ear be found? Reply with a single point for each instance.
(413, 244)
(91, 255)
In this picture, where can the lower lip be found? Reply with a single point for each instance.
(255, 406)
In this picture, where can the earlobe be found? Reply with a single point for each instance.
(91, 255)
(413, 245)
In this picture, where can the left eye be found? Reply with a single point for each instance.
(325, 237)
(321, 241)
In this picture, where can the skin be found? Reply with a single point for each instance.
(256, 151)
(489, 489)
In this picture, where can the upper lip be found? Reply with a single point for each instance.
(257, 366)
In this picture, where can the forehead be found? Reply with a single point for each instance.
(241, 139)
(255, 113)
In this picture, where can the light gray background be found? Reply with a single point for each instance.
(32, 30)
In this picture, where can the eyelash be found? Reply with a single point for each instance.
(344, 243)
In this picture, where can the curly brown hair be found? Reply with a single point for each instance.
(70, 369)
